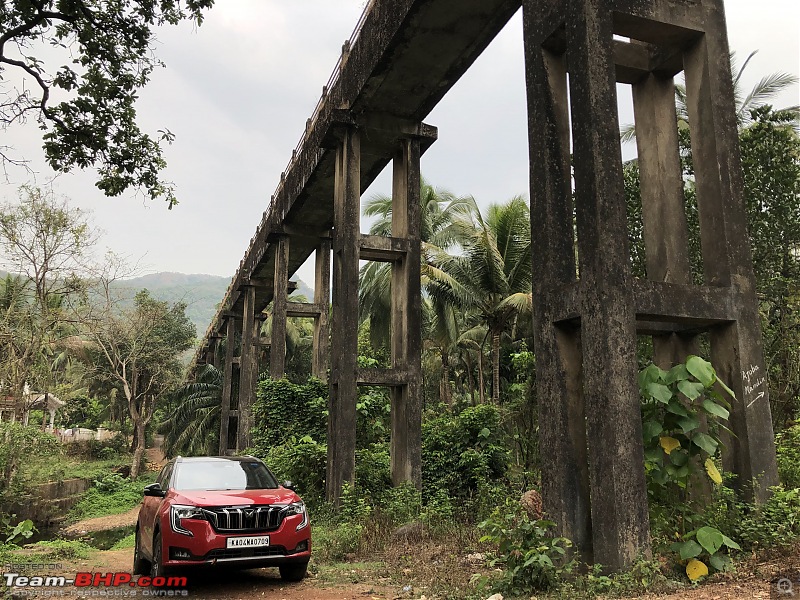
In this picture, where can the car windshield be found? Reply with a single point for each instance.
(221, 474)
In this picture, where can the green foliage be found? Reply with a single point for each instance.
(83, 411)
(110, 58)
(191, 425)
(459, 452)
(776, 523)
(531, 557)
(373, 470)
(788, 451)
(676, 403)
(19, 444)
(683, 414)
(60, 549)
(336, 542)
(110, 495)
(129, 541)
(284, 410)
(12, 532)
(302, 461)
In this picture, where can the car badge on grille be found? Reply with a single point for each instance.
(249, 512)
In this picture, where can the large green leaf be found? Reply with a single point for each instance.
(702, 370)
(676, 408)
(689, 423)
(676, 373)
(713, 408)
(710, 538)
(730, 543)
(688, 549)
(651, 429)
(706, 442)
(691, 389)
(660, 392)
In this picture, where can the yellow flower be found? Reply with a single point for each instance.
(696, 569)
(669, 443)
(712, 471)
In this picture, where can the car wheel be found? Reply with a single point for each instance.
(141, 566)
(294, 572)
(157, 568)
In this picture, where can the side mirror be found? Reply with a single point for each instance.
(154, 489)
(288, 485)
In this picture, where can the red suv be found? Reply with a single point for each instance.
(221, 510)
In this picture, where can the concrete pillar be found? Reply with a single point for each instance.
(344, 365)
(562, 432)
(248, 373)
(737, 347)
(277, 356)
(602, 304)
(320, 361)
(620, 521)
(663, 214)
(232, 327)
(406, 318)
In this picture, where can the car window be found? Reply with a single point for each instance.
(216, 474)
(164, 476)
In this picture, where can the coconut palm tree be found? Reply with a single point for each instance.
(493, 276)
(192, 426)
(440, 209)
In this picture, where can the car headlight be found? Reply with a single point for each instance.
(298, 508)
(177, 512)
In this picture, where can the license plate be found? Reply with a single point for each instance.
(250, 541)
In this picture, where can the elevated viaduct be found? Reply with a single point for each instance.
(401, 60)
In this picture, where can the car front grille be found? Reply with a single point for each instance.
(251, 519)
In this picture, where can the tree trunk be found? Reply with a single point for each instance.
(470, 381)
(496, 367)
(481, 383)
(138, 451)
(444, 382)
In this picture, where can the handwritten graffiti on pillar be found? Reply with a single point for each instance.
(754, 384)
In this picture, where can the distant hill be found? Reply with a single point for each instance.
(202, 293)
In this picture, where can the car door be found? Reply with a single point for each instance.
(148, 513)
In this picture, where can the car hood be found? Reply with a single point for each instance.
(236, 497)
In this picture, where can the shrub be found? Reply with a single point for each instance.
(459, 452)
(110, 495)
(531, 557)
(302, 461)
(17, 443)
(788, 450)
(775, 523)
(284, 410)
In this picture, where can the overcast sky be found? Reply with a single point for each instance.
(237, 92)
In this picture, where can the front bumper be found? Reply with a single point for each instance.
(207, 547)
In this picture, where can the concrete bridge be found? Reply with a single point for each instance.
(401, 60)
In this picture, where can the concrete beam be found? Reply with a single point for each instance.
(383, 248)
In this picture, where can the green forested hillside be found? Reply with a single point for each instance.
(202, 293)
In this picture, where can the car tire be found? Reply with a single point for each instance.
(157, 568)
(294, 572)
(141, 566)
